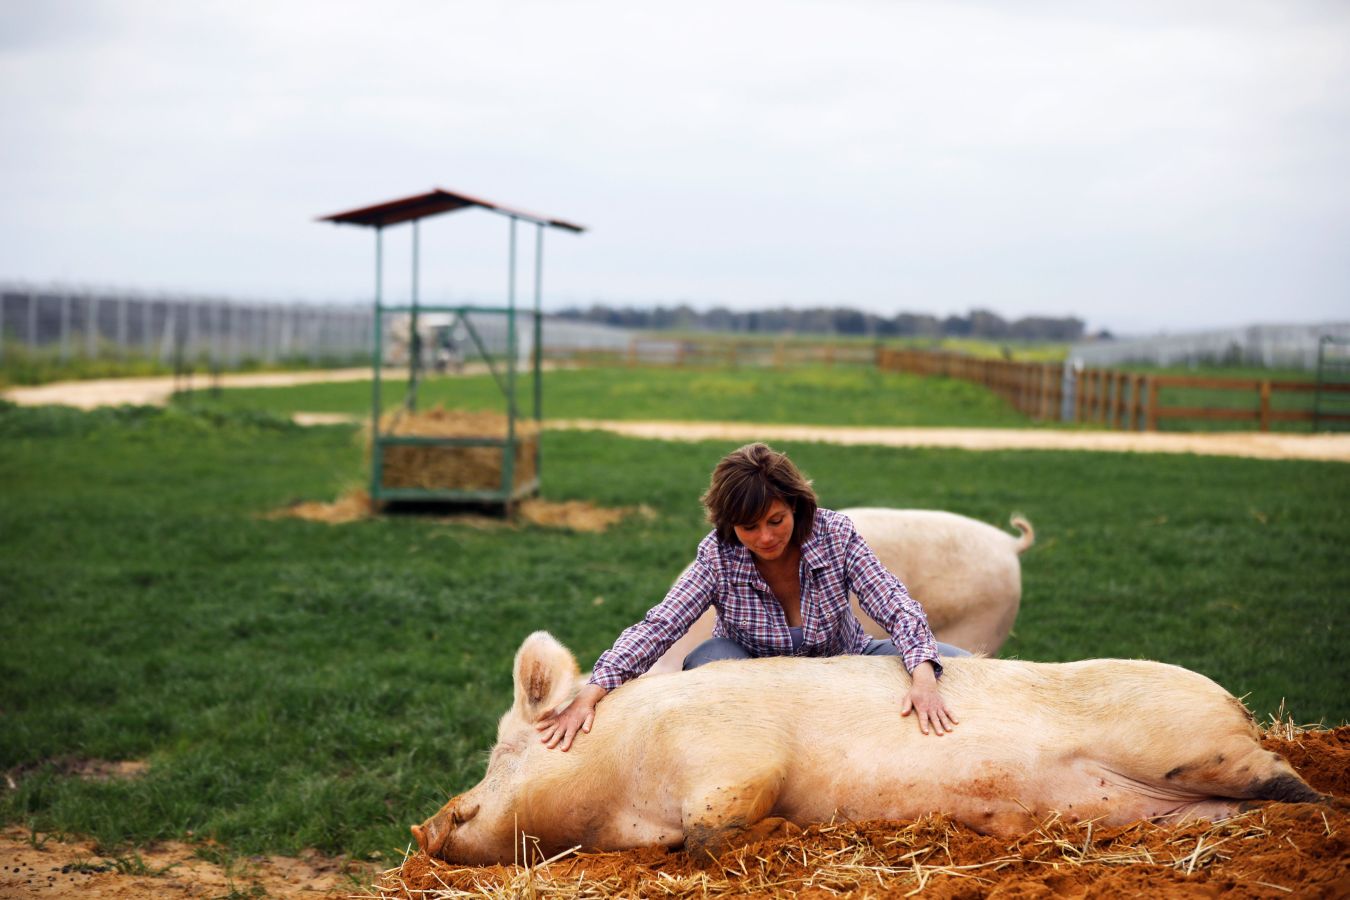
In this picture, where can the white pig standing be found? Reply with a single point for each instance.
(733, 750)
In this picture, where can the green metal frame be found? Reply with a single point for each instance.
(1333, 370)
(508, 493)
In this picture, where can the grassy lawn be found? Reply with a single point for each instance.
(816, 395)
(295, 684)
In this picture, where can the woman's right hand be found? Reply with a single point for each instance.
(576, 716)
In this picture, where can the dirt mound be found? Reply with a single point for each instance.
(1321, 757)
(1277, 850)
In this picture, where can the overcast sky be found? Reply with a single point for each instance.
(1141, 165)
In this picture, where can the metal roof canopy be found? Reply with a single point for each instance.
(434, 202)
(413, 209)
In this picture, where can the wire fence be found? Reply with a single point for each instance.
(1266, 346)
(65, 324)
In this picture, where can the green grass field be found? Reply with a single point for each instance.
(294, 684)
(814, 395)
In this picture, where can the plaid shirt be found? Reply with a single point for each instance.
(835, 562)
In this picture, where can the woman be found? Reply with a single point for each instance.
(779, 571)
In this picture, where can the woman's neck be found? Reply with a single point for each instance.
(788, 562)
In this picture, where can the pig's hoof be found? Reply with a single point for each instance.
(770, 828)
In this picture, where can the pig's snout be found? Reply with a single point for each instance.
(433, 834)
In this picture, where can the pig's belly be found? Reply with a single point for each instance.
(637, 823)
(993, 796)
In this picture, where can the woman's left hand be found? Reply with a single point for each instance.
(925, 701)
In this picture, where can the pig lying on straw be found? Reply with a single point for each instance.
(735, 750)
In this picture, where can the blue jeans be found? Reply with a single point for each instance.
(717, 648)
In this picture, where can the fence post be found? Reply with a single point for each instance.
(122, 327)
(1151, 410)
(1084, 385)
(1265, 404)
(65, 327)
(1104, 395)
(1137, 403)
(91, 326)
(1043, 392)
(231, 337)
(148, 328)
(1068, 390)
(1117, 419)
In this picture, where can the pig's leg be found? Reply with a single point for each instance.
(1239, 768)
(720, 814)
(1212, 785)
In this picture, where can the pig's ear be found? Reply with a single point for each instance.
(545, 674)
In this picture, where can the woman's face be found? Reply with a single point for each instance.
(769, 536)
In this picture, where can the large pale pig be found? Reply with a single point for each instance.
(965, 574)
(734, 750)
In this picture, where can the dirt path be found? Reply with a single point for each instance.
(156, 391)
(1330, 447)
(1326, 447)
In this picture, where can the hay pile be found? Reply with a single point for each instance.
(454, 468)
(1279, 850)
(568, 515)
(352, 506)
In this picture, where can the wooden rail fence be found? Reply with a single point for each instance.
(1110, 397)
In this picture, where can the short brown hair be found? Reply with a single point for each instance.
(747, 481)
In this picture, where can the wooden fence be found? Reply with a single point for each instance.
(1116, 399)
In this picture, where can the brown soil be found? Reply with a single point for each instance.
(1277, 850)
(1321, 757)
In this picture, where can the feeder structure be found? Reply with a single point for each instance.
(504, 371)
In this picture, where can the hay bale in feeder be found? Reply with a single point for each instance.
(455, 468)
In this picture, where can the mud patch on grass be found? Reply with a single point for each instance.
(39, 865)
(80, 767)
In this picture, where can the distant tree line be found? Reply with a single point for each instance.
(980, 323)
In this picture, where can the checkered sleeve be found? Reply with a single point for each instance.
(640, 646)
(885, 599)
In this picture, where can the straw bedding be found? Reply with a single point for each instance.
(570, 515)
(1279, 850)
